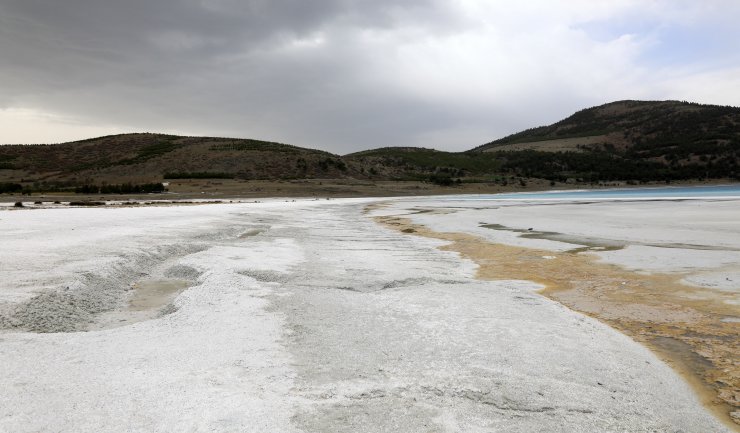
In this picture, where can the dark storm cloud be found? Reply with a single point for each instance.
(337, 74)
(204, 65)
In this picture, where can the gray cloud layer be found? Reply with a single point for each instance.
(336, 74)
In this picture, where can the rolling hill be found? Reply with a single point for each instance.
(153, 157)
(628, 140)
(634, 141)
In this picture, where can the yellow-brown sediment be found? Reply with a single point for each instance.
(680, 323)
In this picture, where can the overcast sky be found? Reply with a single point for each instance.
(344, 75)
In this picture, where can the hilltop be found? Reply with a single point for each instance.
(153, 157)
(628, 140)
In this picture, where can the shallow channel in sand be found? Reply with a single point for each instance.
(155, 294)
(149, 299)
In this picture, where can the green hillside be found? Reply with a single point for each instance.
(633, 141)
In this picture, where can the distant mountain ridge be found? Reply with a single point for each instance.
(623, 140)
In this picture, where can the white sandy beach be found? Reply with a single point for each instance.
(308, 316)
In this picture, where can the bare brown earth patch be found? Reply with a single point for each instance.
(232, 189)
(686, 326)
(556, 145)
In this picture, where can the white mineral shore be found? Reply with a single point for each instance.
(307, 316)
(697, 236)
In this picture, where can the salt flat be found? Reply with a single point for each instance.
(676, 235)
(662, 269)
(300, 316)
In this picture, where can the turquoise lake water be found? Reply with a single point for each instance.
(695, 192)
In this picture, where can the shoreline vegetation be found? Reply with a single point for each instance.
(225, 189)
(683, 325)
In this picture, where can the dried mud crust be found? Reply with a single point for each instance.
(686, 326)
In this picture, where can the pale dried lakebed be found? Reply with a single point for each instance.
(318, 320)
